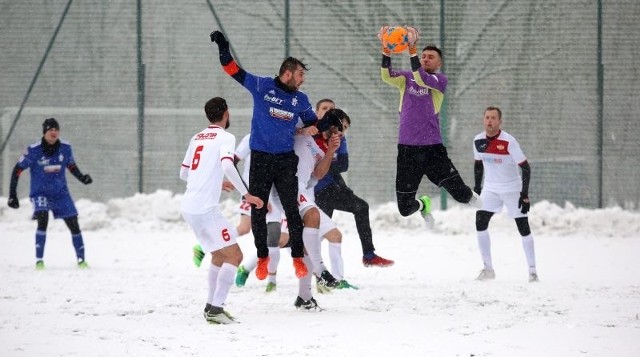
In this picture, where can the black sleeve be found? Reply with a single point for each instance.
(13, 185)
(526, 177)
(386, 61)
(75, 171)
(478, 172)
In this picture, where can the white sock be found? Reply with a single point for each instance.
(313, 246)
(529, 252)
(226, 277)
(337, 264)
(250, 263)
(484, 243)
(274, 260)
(304, 284)
(213, 281)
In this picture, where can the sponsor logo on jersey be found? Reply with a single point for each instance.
(418, 92)
(271, 98)
(205, 136)
(52, 169)
(281, 114)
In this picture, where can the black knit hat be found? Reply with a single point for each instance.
(50, 123)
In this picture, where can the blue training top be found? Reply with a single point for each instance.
(47, 172)
(275, 114)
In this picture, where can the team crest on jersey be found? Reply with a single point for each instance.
(500, 147)
(281, 114)
(294, 101)
(61, 158)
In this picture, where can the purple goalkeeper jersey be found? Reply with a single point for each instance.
(419, 105)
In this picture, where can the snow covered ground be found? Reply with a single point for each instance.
(143, 296)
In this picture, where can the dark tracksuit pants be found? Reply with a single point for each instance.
(279, 170)
(341, 198)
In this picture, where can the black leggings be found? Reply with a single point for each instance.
(414, 162)
(43, 221)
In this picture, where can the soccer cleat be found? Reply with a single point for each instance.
(310, 304)
(533, 277)
(429, 220)
(262, 269)
(327, 280)
(321, 289)
(345, 285)
(271, 287)
(299, 267)
(216, 315)
(377, 261)
(206, 309)
(475, 201)
(39, 265)
(82, 264)
(198, 255)
(241, 276)
(486, 274)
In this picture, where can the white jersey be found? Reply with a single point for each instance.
(309, 154)
(243, 153)
(500, 157)
(203, 160)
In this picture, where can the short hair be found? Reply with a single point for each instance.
(325, 100)
(215, 108)
(291, 64)
(496, 109)
(433, 48)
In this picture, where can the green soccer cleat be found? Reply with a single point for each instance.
(345, 285)
(39, 265)
(241, 276)
(198, 255)
(271, 287)
(426, 211)
(82, 264)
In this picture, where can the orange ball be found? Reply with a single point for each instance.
(396, 39)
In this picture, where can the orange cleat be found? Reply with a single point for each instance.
(261, 269)
(300, 267)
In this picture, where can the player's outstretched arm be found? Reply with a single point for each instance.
(13, 201)
(226, 60)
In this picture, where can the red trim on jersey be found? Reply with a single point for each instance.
(187, 166)
(497, 146)
(214, 127)
(231, 68)
(322, 143)
(226, 157)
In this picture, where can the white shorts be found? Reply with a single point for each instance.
(494, 201)
(306, 201)
(213, 231)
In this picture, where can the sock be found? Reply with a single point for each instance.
(213, 281)
(304, 284)
(484, 243)
(274, 260)
(369, 255)
(41, 238)
(337, 264)
(250, 263)
(226, 278)
(529, 252)
(78, 245)
(313, 246)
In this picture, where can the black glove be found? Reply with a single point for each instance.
(218, 37)
(477, 189)
(13, 201)
(86, 179)
(523, 203)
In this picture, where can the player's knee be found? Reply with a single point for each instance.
(482, 220)
(406, 203)
(273, 234)
(311, 218)
(523, 226)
